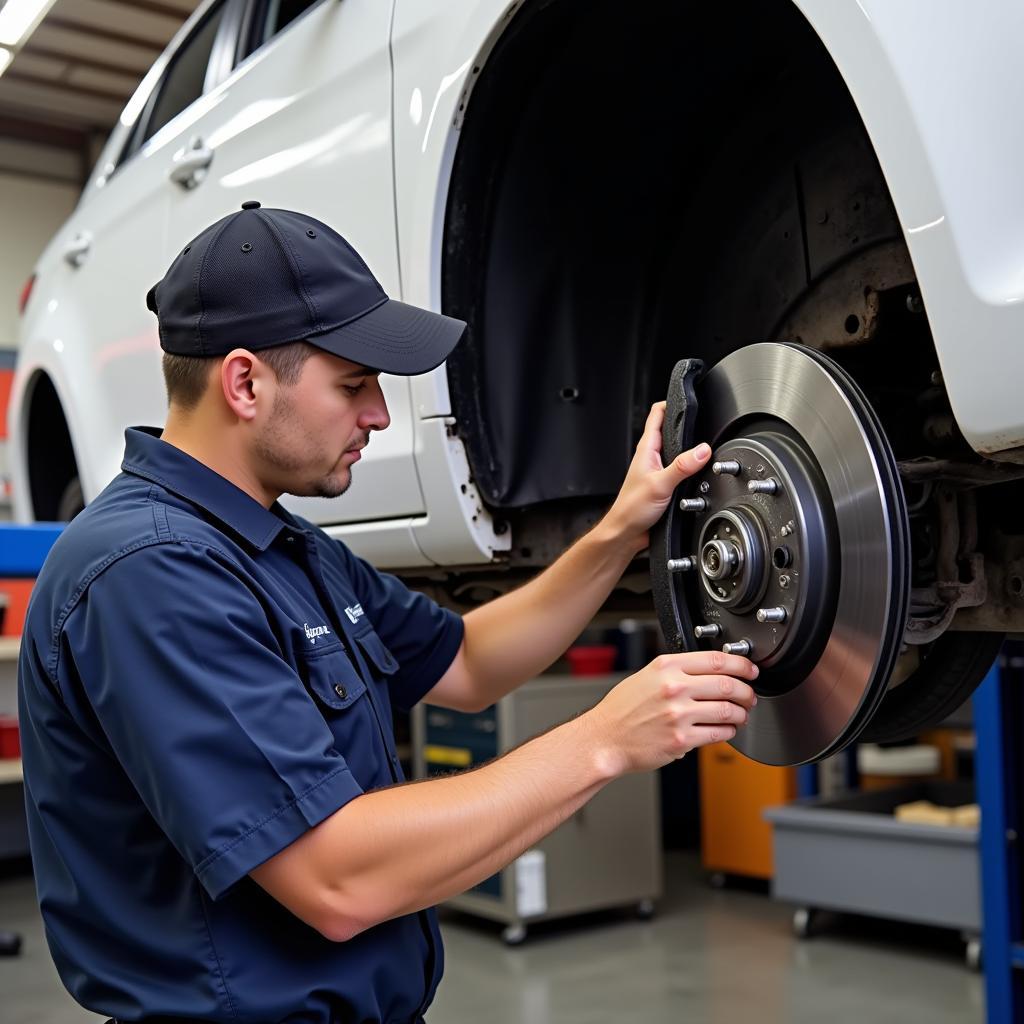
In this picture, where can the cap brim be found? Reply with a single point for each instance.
(394, 337)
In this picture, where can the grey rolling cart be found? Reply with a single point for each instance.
(608, 854)
(848, 853)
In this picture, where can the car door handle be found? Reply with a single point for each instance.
(190, 164)
(76, 251)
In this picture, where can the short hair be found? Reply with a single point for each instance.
(186, 377)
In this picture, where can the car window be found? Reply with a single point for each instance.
(184, 78)
(268, 17)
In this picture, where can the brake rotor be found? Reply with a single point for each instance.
(791, 547)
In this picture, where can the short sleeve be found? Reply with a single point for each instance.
(213, 727)
(423, 636)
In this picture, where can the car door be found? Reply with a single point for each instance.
(303, 121)
(105, 348)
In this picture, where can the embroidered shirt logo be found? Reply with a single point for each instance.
(312, 632)
(355, 613)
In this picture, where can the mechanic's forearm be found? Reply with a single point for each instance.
(398, 850)
(515, 637)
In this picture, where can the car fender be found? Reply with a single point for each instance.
(435, 47)
(942, 117)
(49, 349)
(939, 97)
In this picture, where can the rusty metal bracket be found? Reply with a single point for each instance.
(964, 474)
(950, 596)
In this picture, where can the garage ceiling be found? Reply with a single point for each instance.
(67, 86)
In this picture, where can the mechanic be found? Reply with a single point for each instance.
(217, 824)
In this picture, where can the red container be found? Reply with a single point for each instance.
(10, 744)
(592, 660)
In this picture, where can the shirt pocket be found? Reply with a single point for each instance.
(376, 653)
(332, 678)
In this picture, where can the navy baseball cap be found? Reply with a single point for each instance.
(263, 277)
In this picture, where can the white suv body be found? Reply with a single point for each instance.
(354, 113)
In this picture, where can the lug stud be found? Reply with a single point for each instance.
(740, 647)
(710, 630)
(769, 486)
(771, 615)
(730, 467)
(681, 564)
(692, 505)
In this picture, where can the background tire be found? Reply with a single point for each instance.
(71, 502)
(949, 673)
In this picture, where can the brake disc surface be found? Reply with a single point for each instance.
(791, 547)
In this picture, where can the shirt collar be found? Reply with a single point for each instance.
(146, 455)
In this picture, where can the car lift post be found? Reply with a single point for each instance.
(999, 762)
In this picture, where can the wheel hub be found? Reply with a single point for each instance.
(793, 548)
(764, 575)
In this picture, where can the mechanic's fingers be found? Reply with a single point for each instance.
(656, 417)
(717, 688)
(704, 663)
(650, 439)
(715, 712)
(703, 735)
(683, 466)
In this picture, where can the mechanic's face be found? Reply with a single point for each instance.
(317, 426)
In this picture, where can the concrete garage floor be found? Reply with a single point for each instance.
(707, 958)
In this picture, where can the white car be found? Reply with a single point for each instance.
(599, 189)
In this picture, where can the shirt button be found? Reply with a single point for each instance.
(290, 538)
(340, 691)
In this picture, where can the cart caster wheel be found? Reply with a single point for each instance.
(803, 922)
(10, 944)
(514, 935)
(717, 880)
(973, 954)
(645, 910)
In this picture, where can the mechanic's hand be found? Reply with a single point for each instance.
(676, 703)
(648, 487)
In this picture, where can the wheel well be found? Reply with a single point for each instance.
(634, 184)
(51, 456)
(598, 208)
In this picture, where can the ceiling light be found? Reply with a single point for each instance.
(18, 18)
(5, 59)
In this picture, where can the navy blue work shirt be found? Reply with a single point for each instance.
(202, 680)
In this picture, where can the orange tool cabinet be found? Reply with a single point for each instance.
(734, 791)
